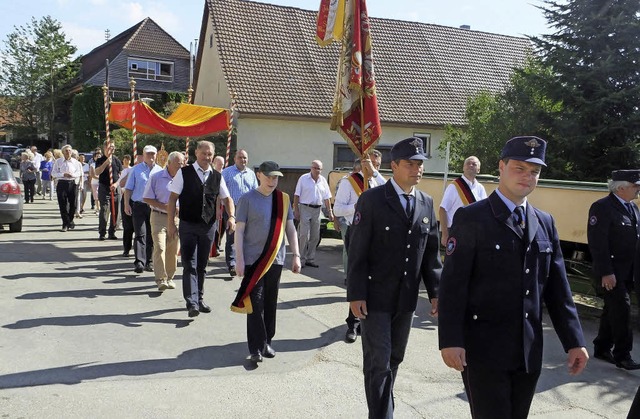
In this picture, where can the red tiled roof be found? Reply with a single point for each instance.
(424, 72)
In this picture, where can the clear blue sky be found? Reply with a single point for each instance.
(85, 21)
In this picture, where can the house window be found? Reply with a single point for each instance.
(343, 156)
(150, 70)
(426, 141)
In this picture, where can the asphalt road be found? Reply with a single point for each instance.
(82, 336)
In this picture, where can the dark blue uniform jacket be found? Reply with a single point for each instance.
(494, 283)
(389, 254)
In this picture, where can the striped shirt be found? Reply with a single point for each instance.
(239, 182)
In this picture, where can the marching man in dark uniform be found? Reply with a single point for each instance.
(613, 234)
(503, 261)
(394, 244)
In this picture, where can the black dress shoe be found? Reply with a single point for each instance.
(312, 264)
(193, 311)
(125, 254)
(72, 225)
(204, 308)
(269, 352)
(113, 237)
(232, 272)
(138, 267)
(257, 357)
(101, 238)
(628, 364)
(604, 356)
(351, 335)
(149, 267)
(64, 228)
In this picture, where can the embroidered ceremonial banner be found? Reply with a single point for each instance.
(329, 25)
(464, 191)
(357, 183)
(355, 109)
(255, 272)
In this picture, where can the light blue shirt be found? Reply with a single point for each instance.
(138, 178)
(239, 182)
(158, 187)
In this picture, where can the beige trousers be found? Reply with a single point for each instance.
(165, 249)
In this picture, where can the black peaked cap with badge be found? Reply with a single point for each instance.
(526, 148)
(631, 176)
(408, 149)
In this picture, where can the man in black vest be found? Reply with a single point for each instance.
(197, 186)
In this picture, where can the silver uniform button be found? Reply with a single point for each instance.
(475, 317)
(526, 271)
(497, 247)
(526, 293)
(409, 231)
(387, 228)
(369, 276)
(526, 315)
(405, 272)
(406, 260)
(408, 246)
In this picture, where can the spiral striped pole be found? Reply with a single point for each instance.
(134, 132)
(232, 111)
(190, 91)
(105, 95)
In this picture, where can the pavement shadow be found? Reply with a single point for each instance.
(127, 320)
(93, 293)
(206, 359)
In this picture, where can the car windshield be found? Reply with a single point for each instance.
(5, 172)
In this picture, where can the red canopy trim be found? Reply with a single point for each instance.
(187, 120)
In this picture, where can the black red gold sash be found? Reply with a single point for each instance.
(255, 272)
(357, 182)
(464, 191)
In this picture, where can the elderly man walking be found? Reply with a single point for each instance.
(312, 190)
(66, 170)
(165, 248)
(135, 206)
(240, 180)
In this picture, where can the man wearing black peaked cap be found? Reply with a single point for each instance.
(393, 246)
(503, 261)
(612, 232)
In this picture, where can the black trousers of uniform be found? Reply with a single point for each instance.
(66, 191)
(195, 244)
(615, 323)
(261, 323)
(634, 411)
(499, 394)
(352, 321)
(127, 227)
(105, 217)
(384, 341)
(143, 249)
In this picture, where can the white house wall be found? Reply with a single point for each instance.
(297, 143)
(211, 88)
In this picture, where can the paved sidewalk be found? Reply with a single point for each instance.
(83, 336)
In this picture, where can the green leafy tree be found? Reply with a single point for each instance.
(523, 108)
(594, 54)
(36, 66)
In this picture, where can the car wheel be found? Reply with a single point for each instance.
(16, 227)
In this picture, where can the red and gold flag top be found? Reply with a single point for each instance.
(355, 108)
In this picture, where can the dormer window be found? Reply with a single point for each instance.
(144, 69)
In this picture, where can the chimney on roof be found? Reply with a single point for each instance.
(467, 27)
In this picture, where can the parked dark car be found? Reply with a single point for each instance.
(16, 157)
(6, 151)
(11, 201)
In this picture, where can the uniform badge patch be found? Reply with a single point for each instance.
(593, 220)
(356, 218)
(451, 245)
(425, 220)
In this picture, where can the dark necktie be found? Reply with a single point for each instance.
(519, 213)
(407, 208)
(632, 212)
